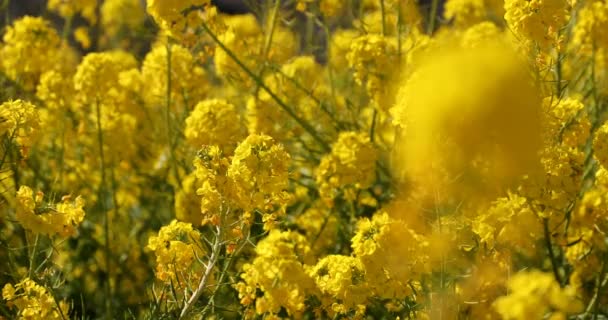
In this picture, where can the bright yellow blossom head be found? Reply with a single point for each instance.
(33, 301)
(260, 172)
(214, 122)
(20, 120)
(176, 248)
(539, 21)
(28, 47)
(534, 294)
(63, 218)
(351, 163)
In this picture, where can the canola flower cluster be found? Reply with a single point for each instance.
(310, 159)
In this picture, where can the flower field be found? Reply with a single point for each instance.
(309, 159)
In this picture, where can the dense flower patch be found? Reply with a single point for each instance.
(313, 159)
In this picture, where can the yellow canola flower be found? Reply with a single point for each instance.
(176, 248)
(343, 284)
(81, 35)
(591, 28)
(373, 59)
(332, 8)
(187, 202)
(33, 301)
(393, 254)
(408, 12)
(20, 120)
(186, 76)
(351, 163)
(29, 47)
(260, 172)
(176, 16)
(119, 14)
(214, 122)
(567, 121)
(560, 182)
(339, 47)
(278, 272)
(319, 225)
(539, 21)
(55, 89)
(534, 294)
(263, 113)
(600, 145)
(97, 76)
(479, 34)
(68, 9)
(469, 113)
(510, 223)
(62, 219)
(465, 12)
(245, 38)
(214, 187)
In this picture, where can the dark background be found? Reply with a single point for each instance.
(18, 8)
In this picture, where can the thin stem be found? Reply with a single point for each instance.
(46, 259)
(62, 152)
(330, 71)
(432, 16)
(227, 265)
(8, 149)
(551, 252)
(168, 118)
(268, 41)
(106, 222)
(310, 30)
(600, 286)
(261, 84)
(399, 44)
(33, 256)
(58, 305)
(558, 76)
(66, 28)
(7, 9)
(202, 284)
(372, 129)
(309, 93)
(600, 282)
(383, 13)
(273, 22)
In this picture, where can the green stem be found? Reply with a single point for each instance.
(203, 283)
(558, 76)
(432, 16)
(372, 129)
(383, 13)
(106, 222)
(168, 119)
(399, 44)
(600, 282)
(600, 285)
(62, 152)
(268, 42)
(552, 255)
(309, 93)
(7, 9)
(273, 22)
(309, 129)
(227, 265)
(330, 70)
(33, 257)
(310, 29)
(58, 307)
(66, 28)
